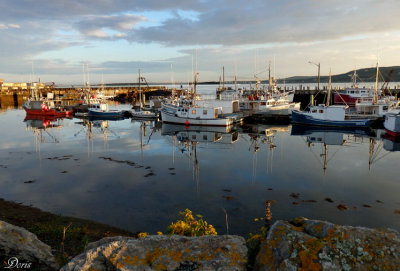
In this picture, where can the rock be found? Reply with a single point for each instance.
(161, 252)
(320, 245)
(20, 249)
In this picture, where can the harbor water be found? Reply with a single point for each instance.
(139, 175)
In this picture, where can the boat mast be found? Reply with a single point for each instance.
(269, 77)
(375, 99)
(328, 101)
(140, 91)
(223, 78)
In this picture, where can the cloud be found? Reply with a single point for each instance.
(8, 26)
(96, 26)
(236, 22)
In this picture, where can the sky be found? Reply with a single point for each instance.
(168, 39)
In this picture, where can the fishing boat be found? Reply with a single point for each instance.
(349, 96)
(189, 114)
(376, 105)
(45, 108)
(186, 112)
(327, 115)
(392, 124)
(141, 112)
(103, 110)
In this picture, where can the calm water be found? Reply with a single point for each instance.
(139, 175)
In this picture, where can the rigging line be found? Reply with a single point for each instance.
(333, 155)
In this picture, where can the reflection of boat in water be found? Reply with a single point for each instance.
(200, 134)
(40, 125)
(303, 130)
(391, 143)
(329, 136)
(41, 122)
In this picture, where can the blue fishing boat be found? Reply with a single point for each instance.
(327, 115)
(102, 110)
(332, 116)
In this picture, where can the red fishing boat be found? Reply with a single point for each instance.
(44, 108)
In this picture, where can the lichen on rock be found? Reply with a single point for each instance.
(305, 244)
(161, 252)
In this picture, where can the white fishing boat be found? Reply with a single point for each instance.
(187, 114)
(376, 105)
(392, 124)
(143, 114)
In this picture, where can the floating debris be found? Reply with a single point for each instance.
(130, 163)
(30, 181)
(149, 174)
(270, 189)
(171, 168)
(295, 203)
(3, 166)
(329, 200)
(378, 201)
(397, 212)
(367, 206)
(342, 207)
(172, 173)
(294, 195)
(148, 167)
(309, 200)
(228, 197)
(64, 171)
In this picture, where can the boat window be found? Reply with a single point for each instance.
(193, 137)
(321, 111)
(204, 112)
(204, 137)
(352, 91)
(314, 111)
(194, 112)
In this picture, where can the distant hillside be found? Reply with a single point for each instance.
(363, 75)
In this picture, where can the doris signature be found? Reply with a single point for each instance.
(15, 263)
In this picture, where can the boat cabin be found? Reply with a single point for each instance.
(323, 112)
(99, 107)
(198, 112)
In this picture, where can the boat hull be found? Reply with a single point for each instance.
(168, 117)
(50, 112)
(344, 99)
(108, 114)
(302, 118)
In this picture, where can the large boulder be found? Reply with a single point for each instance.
(317, 245)
(163, 253)
(21, 249)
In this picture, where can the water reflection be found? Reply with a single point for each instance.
(139, 174)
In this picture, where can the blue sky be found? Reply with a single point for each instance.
(118, 37)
